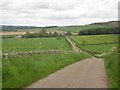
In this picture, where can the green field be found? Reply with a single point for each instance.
(29, 44)
(96, 43)
(99, 48)
(37, 66)
(34, 66)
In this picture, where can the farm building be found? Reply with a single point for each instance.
(19, 36)
(62, 33)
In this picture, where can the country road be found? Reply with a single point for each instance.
(73, 46)
(88, 73)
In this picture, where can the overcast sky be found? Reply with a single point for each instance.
(57, 12)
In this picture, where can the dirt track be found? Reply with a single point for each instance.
(88, 73)
(75, 49)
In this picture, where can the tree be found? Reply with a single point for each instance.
(68, 33)
(44, 30)
(55, 34)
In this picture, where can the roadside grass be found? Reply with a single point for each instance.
(0, 73)
(20, 71)
(111, 65)
(0, 65)
(29, 44)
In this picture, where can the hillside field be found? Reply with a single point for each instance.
(71, 28)
(96, 43)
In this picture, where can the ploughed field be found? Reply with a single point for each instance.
(96, 43)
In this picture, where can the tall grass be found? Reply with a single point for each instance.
(20, 71)
(111, 65)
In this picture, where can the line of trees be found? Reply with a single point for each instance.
(97, 31)
(15, 28)
(44, 33)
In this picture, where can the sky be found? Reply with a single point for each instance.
(57, 12)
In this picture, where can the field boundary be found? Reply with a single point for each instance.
(73, 46)
(76, 48)
(31, 52)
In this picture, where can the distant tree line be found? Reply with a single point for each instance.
(39, 34)
(44, 33)
(6, 28)
(97, 31)
(15, 28)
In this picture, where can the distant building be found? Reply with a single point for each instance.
(19, 36)
(74, 33)
(62, 33)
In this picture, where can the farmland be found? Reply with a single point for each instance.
(34, 66)
(96, 43)
(21, 70)
(49, 62)
(31, 44)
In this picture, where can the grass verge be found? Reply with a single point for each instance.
(20, 71)
(111, 65)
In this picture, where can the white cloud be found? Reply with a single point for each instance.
(57, 12)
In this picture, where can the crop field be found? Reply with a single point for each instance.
(30, 44)
(96, 43)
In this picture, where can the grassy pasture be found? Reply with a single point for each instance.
(96, 39)
(98, 48)
(96, 43)
(35, 67)
(29, 44)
